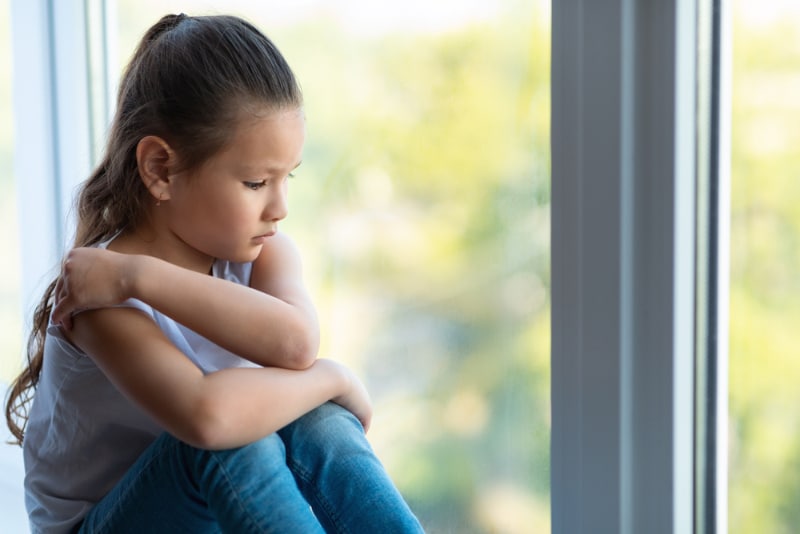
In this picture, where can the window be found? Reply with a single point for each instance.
(11, 329)
(765, 262)
(10, 302)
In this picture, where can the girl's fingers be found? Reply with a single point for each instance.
(61, 308)
(62, 314)
(59, 289)
(58, 310)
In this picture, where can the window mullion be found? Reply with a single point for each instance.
(623, 126)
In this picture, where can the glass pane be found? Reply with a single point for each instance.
(422, 210)
(11, 335)
(765, 264)
(12, 507)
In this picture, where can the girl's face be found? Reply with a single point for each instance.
(232, 204)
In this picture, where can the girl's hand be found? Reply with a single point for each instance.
(90, 278)
(355, 397)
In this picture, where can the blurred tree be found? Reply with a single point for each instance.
(765, 261)
(437, 204)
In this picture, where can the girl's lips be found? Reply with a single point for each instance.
(264, 237)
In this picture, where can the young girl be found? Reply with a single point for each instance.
(174, 360)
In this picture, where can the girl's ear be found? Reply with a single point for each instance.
(155, 159)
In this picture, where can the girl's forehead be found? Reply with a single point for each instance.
(252, 113)
(274, 139)
(265, 121)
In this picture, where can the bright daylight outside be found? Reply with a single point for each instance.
(422, 213)
(765, 269)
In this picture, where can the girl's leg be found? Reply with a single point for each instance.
(173, 487)
(341, 477)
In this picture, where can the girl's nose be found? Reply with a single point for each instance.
(277, 208)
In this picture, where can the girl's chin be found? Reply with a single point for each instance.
(251, 254)
(244, 254)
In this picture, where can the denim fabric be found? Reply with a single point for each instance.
(321, 462)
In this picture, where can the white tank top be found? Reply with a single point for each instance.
(82, 433)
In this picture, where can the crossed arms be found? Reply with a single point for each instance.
(272, 323)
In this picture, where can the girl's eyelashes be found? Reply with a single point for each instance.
(255, 186)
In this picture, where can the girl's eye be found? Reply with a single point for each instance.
(255, 186)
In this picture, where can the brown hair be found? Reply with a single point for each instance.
(189, 81)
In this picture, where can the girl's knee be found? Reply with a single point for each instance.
(262, 459)
(267, 447)
(328, 425)
(330, 419)
(260, 454)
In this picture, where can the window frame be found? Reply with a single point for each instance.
(52, 139)
(624, 141)
(714, 111)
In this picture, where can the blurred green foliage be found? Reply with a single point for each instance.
(765, 262)
(428, 201)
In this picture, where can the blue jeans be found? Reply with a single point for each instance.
(321, 462)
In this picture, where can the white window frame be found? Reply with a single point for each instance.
(623, 154)
(52, 139)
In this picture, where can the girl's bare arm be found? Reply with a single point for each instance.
(224, 409)
(272, 323)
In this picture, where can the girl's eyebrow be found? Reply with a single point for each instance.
(270, 169)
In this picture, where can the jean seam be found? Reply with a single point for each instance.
(239, 500)
(328, 508)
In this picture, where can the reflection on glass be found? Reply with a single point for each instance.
(422, 210)
(765, 269)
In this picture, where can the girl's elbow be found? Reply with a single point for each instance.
(301, 348)
(205, 427)
(206, 438)
(301, 355)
